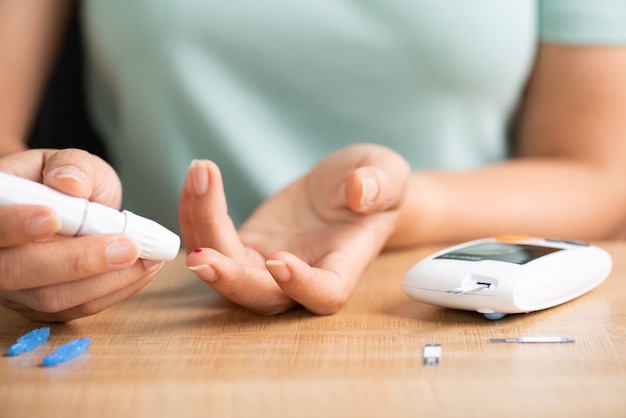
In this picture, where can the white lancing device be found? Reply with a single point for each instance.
(80, 217)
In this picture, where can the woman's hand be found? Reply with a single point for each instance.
(49, 277)
(308, 244)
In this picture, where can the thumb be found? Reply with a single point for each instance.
(378, 187)
(82, 174)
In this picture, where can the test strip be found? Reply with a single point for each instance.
(431, 354)
(533, 340)
(470, 287)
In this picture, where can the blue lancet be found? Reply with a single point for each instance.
(67, 351)
(29, 341)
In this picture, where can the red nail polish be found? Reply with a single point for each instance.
(197, 250)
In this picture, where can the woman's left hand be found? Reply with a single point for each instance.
(308, 244)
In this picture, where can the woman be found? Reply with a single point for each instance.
(339, 129)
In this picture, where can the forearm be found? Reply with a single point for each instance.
(542, 197)
(11, 144)
(30, 31)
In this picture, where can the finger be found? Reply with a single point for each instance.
(82, 174)
(86, 309)
(71, 171)
(65, 260)
(321, 291)
(248, 286)
(365, 178)
(89, 295)
(203, 212)
(26, 223)
(377, 188)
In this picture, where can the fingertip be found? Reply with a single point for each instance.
(79, 173)
(321, 292)
(198, 178)
(370, 189)
(362, 190)
(121, 250)
(369, 192)
(66, 172)
(199, 261)
(43, 224)
(152, 265)
(279, 270)
(27, 223)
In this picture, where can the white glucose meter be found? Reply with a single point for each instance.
(508, 274)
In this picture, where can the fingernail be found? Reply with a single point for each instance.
(121, 251)
(42, 225)
(69, 172)
(208, 273)
(199, 177)
(151, 265)
(369, 190)
(279, 270)
(198, 267)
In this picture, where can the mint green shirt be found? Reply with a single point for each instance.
(268, 88)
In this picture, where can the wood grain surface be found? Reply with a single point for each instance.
(176, 349)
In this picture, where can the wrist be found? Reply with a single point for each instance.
(424, 214)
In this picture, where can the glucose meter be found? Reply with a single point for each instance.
(508, 274)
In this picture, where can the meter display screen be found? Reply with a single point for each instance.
(508, 253)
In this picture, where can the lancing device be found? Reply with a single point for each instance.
(80, 217)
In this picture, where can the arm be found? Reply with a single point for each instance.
(310, 243)
(569, 177)
(30, 31)
(46, 277)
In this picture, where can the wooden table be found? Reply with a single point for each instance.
(178, 350)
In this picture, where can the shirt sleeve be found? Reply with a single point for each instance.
(591, 22)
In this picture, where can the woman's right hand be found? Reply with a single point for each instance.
(48, 277)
